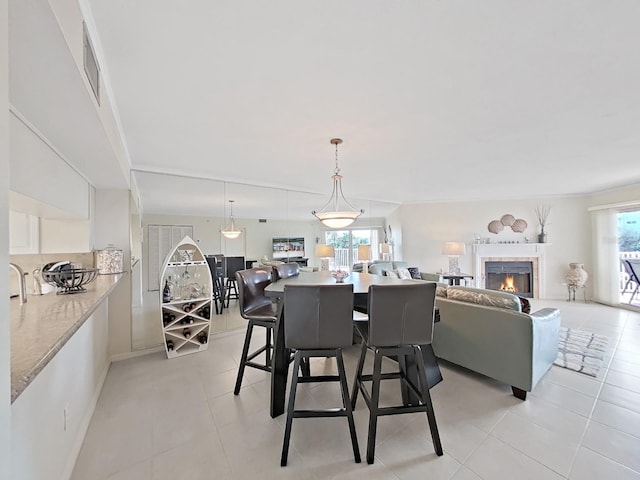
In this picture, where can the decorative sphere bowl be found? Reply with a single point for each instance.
(339, 275)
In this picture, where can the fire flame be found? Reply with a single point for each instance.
(508, 285)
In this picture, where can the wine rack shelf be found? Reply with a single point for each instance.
(186, 296)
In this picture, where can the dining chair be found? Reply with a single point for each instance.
(318, 323)
(260, 312)
(632, 268)
(400, 320)
(286, 270)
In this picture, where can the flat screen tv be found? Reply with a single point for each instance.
(288, 247)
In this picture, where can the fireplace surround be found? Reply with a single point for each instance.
(514, 253)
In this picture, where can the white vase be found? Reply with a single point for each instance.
(577, 275)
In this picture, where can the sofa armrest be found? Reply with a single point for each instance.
(546, 333)
(432, 277)
(546, 315)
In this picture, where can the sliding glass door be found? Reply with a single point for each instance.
(629, 254)
(345, 244)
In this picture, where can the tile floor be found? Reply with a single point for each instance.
(174, 419)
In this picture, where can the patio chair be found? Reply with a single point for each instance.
(632, 267)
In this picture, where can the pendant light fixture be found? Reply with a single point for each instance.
(231, 231)
(334, 214)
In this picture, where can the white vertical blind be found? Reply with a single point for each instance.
(162, 238)
(605, 253)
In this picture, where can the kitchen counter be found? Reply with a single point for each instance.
(43, 325)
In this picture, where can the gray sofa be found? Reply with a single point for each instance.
(486, 331)
(378, 267)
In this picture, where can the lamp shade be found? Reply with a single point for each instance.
(385, 248)
(324, 251)
(364, 252)
(453, 248)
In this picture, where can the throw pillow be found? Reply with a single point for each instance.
(404, 274)
(525, 306)
(391, 273)
(415, 273)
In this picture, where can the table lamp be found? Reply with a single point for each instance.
(324, 253)
(454, 250)
(364, 255)
(385, 250)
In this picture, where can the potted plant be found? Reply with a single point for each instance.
(542, 213)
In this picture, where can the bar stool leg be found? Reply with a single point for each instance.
(356, 380)
(243, 359)
(290, 409)
(426, 400)
(347, 405)
(373, 408)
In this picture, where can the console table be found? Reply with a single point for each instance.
(455, 278)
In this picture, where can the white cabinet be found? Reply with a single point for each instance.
(185, 299)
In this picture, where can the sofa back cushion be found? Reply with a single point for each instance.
(489, 298)
(380, 267)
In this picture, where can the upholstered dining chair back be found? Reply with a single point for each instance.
(251, 285)
(318, 316)
(286, 270)
(401, 314)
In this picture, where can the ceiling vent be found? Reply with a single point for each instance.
(91, 67)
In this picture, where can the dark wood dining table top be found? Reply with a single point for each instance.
(360, 281)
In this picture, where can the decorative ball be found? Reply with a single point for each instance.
(519, 226)
(507, 220)
(495, 226)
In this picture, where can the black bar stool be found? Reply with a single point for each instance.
(400, 320)
(260, 312)
(318, 321)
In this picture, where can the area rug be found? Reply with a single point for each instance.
(581, 351)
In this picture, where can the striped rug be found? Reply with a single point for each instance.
(581, 351)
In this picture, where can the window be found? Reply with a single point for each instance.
(345, 244)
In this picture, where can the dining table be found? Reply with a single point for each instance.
(281, 354)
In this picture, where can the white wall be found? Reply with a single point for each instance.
(426, 226)
(65, 236)
(630, 193)
(45, 444)
(5, 326)
(111, 227)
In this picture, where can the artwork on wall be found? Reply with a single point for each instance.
(517, 225)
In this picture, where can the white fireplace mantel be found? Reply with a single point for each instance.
(511, 251)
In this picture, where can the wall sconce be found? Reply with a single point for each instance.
(454, 250)
(324, 253)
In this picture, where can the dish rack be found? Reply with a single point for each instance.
(71, 280)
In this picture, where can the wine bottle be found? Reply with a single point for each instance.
(170, 345)
(187, 307)
(167, 291)
(186, 332)
(202, 338)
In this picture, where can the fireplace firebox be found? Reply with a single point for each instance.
(510, 276)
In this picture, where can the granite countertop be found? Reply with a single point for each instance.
(43, 325)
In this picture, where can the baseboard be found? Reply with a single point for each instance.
(84, 426)
(137, 353)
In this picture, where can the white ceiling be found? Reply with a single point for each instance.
(435, 100)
